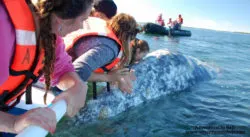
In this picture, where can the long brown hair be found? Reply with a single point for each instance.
(65, 9)
(124, 27)
(138, 44)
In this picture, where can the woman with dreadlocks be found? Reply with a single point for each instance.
(31, 46)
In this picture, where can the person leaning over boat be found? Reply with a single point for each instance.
(101, 47)
(31, 46)
(140, 49)
(104, 9)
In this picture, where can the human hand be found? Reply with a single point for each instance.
(124, 77)
(42, 117)
(75, 98)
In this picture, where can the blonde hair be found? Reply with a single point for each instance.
(124, 26)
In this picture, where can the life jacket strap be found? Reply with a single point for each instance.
(95, 86)
(3, 106)
(24, 72)
(28, 94)
(94, 91)
(108, 86)
(104, 69)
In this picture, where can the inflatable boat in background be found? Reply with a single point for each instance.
(152, 28)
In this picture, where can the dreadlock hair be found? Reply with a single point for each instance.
(65, 9)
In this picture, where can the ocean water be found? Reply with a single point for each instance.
(218, 107)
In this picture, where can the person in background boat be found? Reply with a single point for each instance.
(102, 48)
(31, 46)
(104, 9)
(170, 23)
(180, 19)
(170, 26)
(160, 20)
(140, 49)
(178, 23)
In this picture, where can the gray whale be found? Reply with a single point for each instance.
(160, 73)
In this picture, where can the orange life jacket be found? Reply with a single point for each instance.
(95, 27)
(26, 63)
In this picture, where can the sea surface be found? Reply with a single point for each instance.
(218, 107)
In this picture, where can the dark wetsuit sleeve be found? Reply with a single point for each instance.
(94, 58)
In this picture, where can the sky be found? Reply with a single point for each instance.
(225, 15)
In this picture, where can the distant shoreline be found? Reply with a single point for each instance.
(242, 32)
(221, 30)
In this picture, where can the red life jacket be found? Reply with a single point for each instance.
(180, 20)
(95, 27)
(161, 22)
(26, 63)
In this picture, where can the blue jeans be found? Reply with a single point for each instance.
(177, 26)
(14, 111)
